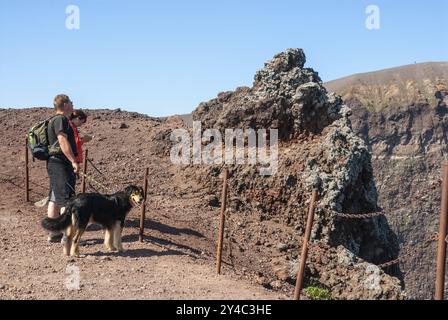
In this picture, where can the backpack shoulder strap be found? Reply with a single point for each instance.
(48, 122)
(53, 117)
(53, 148)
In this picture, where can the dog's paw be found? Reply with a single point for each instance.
(74, 253)
(121, 250)
(112, 249)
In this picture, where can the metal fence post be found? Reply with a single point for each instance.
(84, 171)
(222, 223)
(306, 239)
(143, 210)
(27, 176)
(441, 248)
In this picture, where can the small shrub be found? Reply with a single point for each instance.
(316, 293)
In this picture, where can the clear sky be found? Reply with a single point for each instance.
(165, 57)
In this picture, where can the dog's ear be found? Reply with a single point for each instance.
(128, 189)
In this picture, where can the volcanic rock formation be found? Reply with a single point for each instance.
(317, 149)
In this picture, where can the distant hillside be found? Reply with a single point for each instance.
(399, 86)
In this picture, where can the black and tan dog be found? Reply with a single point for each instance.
(108, 210)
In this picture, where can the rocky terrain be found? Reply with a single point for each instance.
(318, 149)
(408, 141)
(176, 259)
(266, 214)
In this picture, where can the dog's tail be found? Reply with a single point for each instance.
(61, 222)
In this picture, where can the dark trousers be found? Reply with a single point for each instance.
(62, 181)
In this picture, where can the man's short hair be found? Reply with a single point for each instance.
(59, 102)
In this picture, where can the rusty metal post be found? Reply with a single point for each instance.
(222, 222)
(306, 239)
(84, 171)
(27, 175)
(441, 248)
(143, 212)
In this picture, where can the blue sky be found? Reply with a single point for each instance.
(165, 57)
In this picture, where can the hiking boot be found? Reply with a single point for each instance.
(42, 203)
(54, 237)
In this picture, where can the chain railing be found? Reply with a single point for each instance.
(351, 215)
(90, 179)
(313, 205)
(370, 215)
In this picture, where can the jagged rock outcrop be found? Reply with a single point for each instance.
(285, 95)
(317, 149)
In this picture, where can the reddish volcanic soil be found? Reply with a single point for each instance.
(176, 260)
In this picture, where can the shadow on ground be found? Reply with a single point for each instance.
(163, 228)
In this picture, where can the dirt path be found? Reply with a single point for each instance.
(165, 266)
(177, 259)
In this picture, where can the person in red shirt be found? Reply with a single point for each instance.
(77, 119)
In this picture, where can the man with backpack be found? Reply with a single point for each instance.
(61, 164)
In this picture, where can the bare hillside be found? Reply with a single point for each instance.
(399, 86)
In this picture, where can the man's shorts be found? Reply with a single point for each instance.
(62, 181)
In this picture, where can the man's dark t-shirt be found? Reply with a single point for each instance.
(57, 125)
